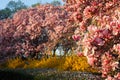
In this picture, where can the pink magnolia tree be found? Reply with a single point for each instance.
(98, 33)
(35, 30)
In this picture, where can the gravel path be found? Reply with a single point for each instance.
(50, 74)
(53, 74)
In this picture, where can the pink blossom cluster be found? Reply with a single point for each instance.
(99, 31)
(103, 44)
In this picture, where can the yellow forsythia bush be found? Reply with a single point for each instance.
(15, 63)
(71, 63)
(76, 63)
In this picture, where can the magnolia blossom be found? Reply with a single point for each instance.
(88, 11)
(114, 65)
(109, 4)
(82, 26)
(76, 37)
(118, 76)
(91, 59)
(77, 16)
(117, 48)
(59, 29)
(115, 27)
(80, 54)
(106, 64)
(109, 78)
(85, 51)
(105, 33)
(92, 29)
(94, 3)
(98, 41)
(115, 31)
